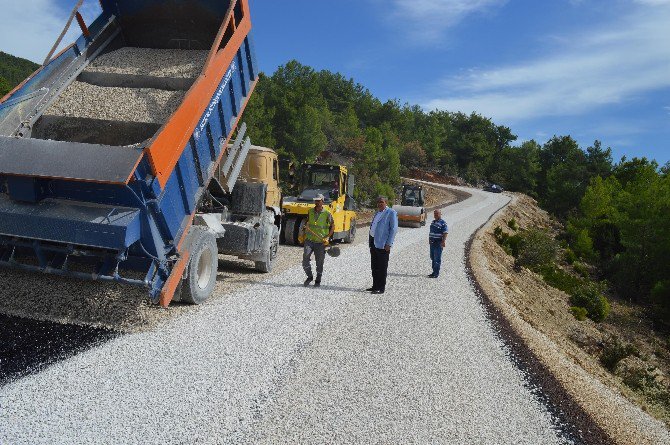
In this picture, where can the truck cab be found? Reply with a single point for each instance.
(262, 165)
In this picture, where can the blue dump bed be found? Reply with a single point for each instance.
(106, 150)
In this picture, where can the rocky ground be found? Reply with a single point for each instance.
(301, 366)
(568, 347)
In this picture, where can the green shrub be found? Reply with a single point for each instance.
(536, 248)
(580, 313)
(514, 243)
(591, 298)
(512, 224)
(570, 256)
(500, 235)
(560, 279)
(614, 352)
(581, 269)
(510, 243)
(640, 378)
(583, 245)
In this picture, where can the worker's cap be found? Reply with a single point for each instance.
(333, 251)
(319, 197)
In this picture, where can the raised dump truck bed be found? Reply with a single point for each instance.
(107, 150)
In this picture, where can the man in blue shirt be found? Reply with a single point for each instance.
(437, 240)
(382, 234)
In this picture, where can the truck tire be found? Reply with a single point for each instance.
(267, 263)
(201, 269)
(351, 235)
(292, 230)
(282, 233)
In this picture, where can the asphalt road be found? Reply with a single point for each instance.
(279, 363)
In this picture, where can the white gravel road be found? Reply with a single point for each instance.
(278, 363)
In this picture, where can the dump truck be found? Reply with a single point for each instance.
(119, 157)
(411, 211)
(336, 184)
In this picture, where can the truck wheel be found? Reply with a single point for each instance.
(351, 235)
(289, 230)
(268, 262)
(292, 230)
(282, 233)
(202, 267)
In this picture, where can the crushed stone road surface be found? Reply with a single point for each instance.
(278, 363)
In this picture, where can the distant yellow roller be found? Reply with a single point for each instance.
(411, 212)
(411, 216)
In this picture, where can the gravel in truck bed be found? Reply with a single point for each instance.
(82, 100)
(151, 62)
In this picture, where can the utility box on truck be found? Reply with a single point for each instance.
(108, 152)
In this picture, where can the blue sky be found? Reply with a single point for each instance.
(589, 68)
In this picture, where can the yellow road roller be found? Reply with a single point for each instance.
(337, 186)
(411, 211)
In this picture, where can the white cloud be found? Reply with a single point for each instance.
(607, 66)
(427, 20)
(653, 2)
(30, 28)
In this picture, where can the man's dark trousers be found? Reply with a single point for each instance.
(380, 262)
(436, 257)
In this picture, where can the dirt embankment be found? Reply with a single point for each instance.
(540, 315)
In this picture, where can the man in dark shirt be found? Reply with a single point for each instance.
(437, 240)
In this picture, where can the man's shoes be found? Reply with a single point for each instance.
(317, 283)
(307, 281)
(370, 289)
(432, 276)
(377, 292)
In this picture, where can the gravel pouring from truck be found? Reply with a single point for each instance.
(108, 152)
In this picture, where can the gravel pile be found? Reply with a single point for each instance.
(82, 100)
(114, 306)
(278, 363)
(151, 62)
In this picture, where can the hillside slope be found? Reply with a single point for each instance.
(569, 349)
(13, 70)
